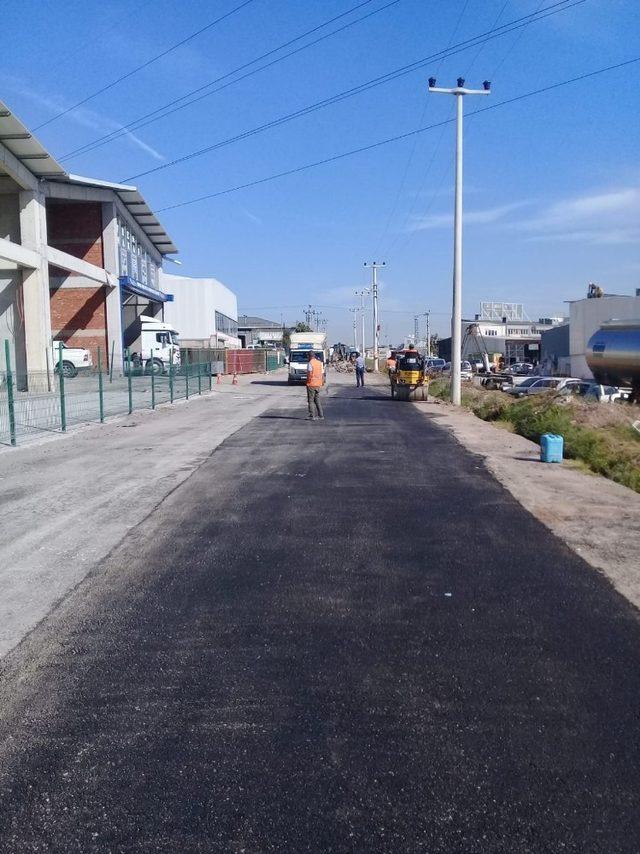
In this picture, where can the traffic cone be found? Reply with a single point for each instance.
(234, 381)
(219, 379)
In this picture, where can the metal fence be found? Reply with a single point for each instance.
(36, 403)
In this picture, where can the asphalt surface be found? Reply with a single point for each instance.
(340, 636)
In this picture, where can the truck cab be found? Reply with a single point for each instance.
(159, 345)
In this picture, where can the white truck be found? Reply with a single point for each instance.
(74, 359)
(300, 345)
(159, 346)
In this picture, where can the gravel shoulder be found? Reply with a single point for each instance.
(598, 519)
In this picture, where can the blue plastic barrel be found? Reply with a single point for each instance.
(551, 448)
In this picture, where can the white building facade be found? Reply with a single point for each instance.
(204, 311)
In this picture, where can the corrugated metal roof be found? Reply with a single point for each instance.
(246, 321)
(19, 140)
(133, 200)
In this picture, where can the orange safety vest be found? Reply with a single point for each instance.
(391, 364)
(315, 376)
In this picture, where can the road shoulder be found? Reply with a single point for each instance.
(598, 519)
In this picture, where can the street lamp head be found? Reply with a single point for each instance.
(460, 82)
(486, 86)
(432, 82)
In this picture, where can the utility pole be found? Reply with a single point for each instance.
(308, 314)
(376, 326)
(361, 294)
(456, 315)
(354, 311)
(428, 313)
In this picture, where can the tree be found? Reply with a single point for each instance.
(299, 327)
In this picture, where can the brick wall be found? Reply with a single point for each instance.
(76, 228)
(78, 315)
(79, 318)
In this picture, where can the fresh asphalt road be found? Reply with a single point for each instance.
(340, 636)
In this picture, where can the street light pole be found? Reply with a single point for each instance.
(456, 315)
(376, 332)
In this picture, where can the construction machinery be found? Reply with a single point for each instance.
(409, 380)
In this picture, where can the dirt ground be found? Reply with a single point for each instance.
(598, 519)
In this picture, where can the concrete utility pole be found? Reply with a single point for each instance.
(308, 313)
(376, 326)
(354, 311)
(361, 294)
(428, 313)
(456, 318)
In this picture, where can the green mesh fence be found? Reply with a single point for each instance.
(32, 404)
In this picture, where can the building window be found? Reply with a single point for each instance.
(226, 325)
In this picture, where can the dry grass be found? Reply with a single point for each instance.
(598, 435)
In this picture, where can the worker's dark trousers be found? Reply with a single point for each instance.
(313, 399)
(359, 377)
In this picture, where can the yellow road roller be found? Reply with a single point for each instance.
(408, 380)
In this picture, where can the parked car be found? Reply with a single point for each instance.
(520, 369)
(73, 359)
(592, 391)
(535, 385)
(434, 364)
(466, 371)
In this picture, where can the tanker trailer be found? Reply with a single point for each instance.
(613, 354)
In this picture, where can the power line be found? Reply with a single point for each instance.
(145, 64)
(449, 166)
(409, 161)
(399, 137)
(154, 116)
(363, 87)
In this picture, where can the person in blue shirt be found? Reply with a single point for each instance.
(359, 363)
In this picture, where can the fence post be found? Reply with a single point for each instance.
(171, 375)
(10, 401)
(210, 368)
(129, 385)
(199, 371)
(100, 389)
(186, 374)
(113, 347)
(63, 410)
(153, 380)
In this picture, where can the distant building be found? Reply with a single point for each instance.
(257, 330)
(586, 317)
(204, 311)
(555, 351)
(504, 330)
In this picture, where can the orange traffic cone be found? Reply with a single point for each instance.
(234, 381)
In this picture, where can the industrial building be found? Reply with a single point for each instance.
(256, 331)
(204, 311)
(504, 330)
(565, 352)
(80, 258)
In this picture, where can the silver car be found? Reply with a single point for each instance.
(535, 385)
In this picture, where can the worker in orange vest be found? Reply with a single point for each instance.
(315, 381)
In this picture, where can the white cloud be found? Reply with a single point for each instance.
(477, 217)
(82, 116)
(609, 217)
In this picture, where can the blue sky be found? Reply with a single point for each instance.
(552, 184)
